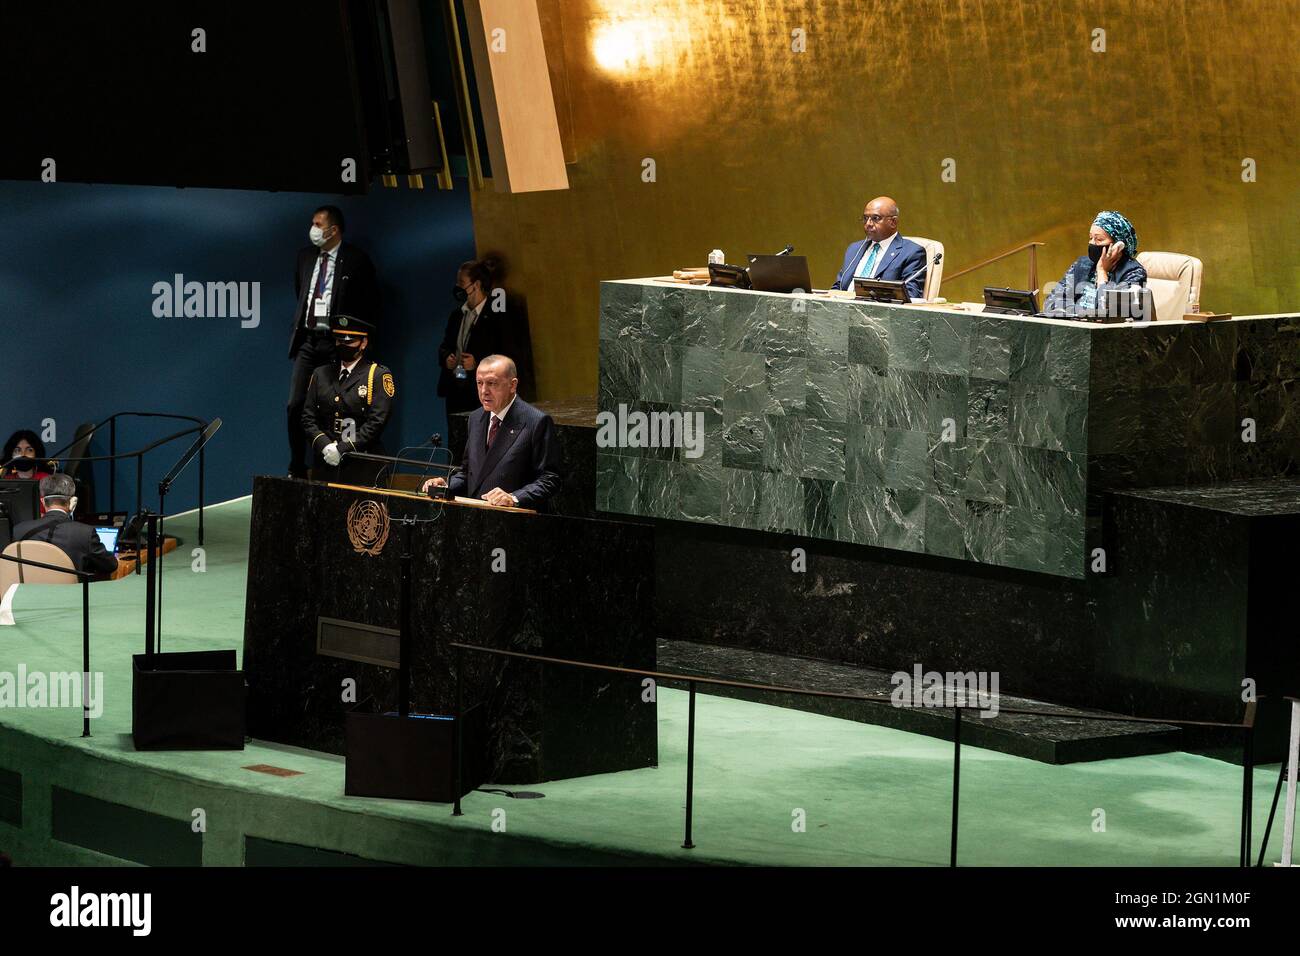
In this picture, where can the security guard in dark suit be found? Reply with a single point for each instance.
(348, 405)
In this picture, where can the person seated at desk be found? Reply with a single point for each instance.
(1109, 264)
(78, 541)
(883, 254)
(511, 455)
(26, 452)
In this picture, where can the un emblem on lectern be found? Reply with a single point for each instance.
(368, 527)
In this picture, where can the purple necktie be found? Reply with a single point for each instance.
(492, 430)
(320, 279)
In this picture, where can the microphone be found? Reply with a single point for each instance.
(935, 262)
(786, 251)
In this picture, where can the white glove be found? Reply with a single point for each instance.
(331, 454)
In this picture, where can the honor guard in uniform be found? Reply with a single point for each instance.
(348, 404)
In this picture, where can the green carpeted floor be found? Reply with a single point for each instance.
(867, 795)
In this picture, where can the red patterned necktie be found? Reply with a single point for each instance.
(492, 430)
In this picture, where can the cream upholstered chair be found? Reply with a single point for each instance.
(934, 274)
(13, 574)
(1170, 277)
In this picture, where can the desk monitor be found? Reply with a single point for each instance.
(22, 499)
(880, 290)
(732, 277)
(1010, 301)
(1134, 304)
(779, 273)
(106, 519)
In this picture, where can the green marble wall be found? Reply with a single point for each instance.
(826, 418)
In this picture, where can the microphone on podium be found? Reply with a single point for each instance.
(934, 262)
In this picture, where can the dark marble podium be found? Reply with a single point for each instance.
(322, 609)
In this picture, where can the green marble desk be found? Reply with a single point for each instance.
(983, 438)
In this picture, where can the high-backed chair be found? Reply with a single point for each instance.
(13, 574)
(43, 551)
(1170, 277)
(934, 274)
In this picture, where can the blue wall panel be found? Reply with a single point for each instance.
(78, 265)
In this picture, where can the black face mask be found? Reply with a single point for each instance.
(347, 353)
(460, 295)
(26, 466)
(1095, 251)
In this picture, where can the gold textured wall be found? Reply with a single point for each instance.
(756, 145)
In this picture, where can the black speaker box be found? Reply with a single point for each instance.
(413, 758)
(191, 700)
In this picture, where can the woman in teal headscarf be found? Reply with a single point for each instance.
(1111, 263)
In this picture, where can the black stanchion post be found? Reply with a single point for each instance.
(112, 463)
(1247, 801)
(460, 724)
(956, 782)
(202, 469)
(687, 844)
(151, 526)
(85, 657)
(139, 507)
(1272, 812)
(404, 628)
(157, 557)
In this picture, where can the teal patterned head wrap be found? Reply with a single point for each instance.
(1119, 229)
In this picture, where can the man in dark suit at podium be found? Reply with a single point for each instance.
(512, 456)
(883, 254)
(332, 278)
(78, 541)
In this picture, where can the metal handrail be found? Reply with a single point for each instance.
(138, 455)
(1032, 246)
(1247, 726)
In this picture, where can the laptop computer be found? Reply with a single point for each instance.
(779, 273)
(108, 537)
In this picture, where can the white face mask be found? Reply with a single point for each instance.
(317, 236)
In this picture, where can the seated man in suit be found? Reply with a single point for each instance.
(78, 541)
(883, 254)
(512, 456)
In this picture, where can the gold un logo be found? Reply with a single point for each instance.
(368, 527)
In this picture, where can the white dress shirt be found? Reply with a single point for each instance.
(330, 260)
(880, 260)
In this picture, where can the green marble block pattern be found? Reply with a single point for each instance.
(976, 437)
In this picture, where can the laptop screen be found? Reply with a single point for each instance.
(109, 538)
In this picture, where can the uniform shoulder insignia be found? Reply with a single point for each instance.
(389, 388)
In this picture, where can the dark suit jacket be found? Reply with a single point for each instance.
(495, 333)
(78, 541)
(524, 458)
(902, 258)
(1065, 297)
(355, 291)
